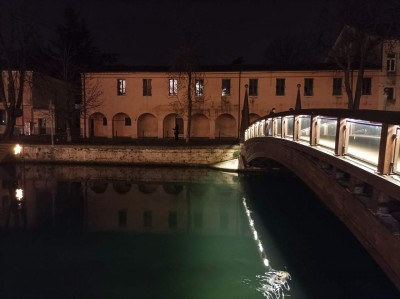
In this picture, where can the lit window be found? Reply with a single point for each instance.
(253, 87)
(121, 87)
(337, 87)
(173, 87)
(366, 86)
(280, 87)
(146, 87)
(391, 63)
(226, 87)
(308, 86)
(128, 121)
(199, 87)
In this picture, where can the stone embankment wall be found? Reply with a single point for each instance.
(189, 155)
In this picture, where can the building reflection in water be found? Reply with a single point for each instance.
(54, 198)
(181, 233)
(154, 229)
(157, 208)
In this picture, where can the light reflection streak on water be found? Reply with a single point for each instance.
(273, 283)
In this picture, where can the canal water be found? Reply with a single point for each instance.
(130, 232)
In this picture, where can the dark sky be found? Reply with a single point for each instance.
(149, 32)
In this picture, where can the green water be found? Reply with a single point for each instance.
(93, 232)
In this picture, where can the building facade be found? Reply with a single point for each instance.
(389, 74)
(42, 97)
(143, 103)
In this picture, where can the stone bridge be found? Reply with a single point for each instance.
(350, 159)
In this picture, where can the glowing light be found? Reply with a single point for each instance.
(260, 247)
(266, 262)
(273, 283)
(255, 235)
(19, 194)
(17, 149)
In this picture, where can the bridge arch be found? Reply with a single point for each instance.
(345, 157)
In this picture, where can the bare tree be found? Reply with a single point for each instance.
(367, 24)
(17, 43)
(189, 82)
(73, 53)
(92, 98)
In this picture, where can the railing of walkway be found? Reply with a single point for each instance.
(365, 135)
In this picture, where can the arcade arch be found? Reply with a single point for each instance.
(98, 125)
(225, 126)
(147, 126)
(169, 123)
(122, 125)
(200, 126)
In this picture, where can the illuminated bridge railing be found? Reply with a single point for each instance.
(357, 155)
(371, 137)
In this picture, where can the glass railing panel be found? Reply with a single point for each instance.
(261, 128)
(268, 127)
(327, 132)
(289, 126)
(278, 121)
(304, 123)
(364, 139)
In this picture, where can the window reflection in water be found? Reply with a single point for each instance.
(89, 199)
(150, 233)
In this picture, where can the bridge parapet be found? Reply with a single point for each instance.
(351, 161)
(371, 137)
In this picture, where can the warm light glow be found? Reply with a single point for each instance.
(17, 149)
(19, 194)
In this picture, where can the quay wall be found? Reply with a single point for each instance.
(145, 155)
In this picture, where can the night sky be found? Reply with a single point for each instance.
(149, 32)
